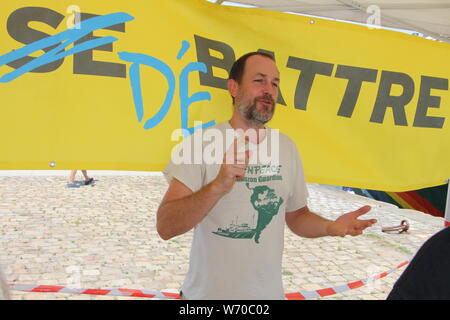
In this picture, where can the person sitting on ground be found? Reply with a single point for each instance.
(72, 184)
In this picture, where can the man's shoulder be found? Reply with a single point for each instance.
(199, 132)
(221, 126)
(284, 138)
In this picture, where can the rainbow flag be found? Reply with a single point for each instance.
(428, 200)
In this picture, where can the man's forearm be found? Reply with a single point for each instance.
(310, 225)
(181, 215)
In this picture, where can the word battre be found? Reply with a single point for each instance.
(84, 43)
(356, 76)
(213, 146)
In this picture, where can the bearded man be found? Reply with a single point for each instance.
(232, 255)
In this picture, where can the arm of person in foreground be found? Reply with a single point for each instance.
(182, 209)
(307, 224)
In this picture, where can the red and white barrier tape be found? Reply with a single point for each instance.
(301, 295)
(98, 292)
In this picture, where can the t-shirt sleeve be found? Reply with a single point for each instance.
(184, 170)
(298, 198)
(189, 175)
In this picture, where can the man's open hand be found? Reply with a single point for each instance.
(349, 224)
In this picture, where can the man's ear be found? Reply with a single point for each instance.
(232, 87)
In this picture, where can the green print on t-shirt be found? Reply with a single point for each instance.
(266, 203)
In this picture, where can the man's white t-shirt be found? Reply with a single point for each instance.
(237, 248)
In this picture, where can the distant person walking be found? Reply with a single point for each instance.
(73, 173)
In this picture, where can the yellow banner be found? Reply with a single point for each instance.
(103, 84)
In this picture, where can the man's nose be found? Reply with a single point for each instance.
(271, 90)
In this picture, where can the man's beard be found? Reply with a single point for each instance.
(251, 113)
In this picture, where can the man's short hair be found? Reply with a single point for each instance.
(237, 70)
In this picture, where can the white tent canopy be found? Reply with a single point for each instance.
(429, 17)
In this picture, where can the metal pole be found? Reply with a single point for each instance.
(447, 207)
(4, 290)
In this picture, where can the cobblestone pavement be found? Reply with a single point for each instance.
(104, 236)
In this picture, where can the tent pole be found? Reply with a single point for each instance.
(447, 207)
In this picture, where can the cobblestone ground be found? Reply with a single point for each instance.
(104, 236)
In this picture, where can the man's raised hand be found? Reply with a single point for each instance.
(233, 166)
